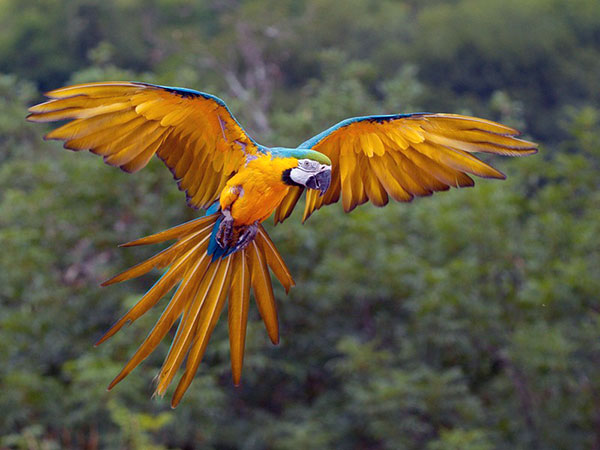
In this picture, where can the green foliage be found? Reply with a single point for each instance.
(470, 320)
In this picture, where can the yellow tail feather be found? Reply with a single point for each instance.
(203, 287)
(239, 299)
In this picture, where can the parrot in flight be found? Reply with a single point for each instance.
(240, 183)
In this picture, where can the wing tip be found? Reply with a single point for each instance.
(529, 151)
(32, 116)
(494, 174)
(108, 282)
(128, 169)
(115, 279)
(116, 381)
(129, 244)
(141, 241)
(274, 338)
(112, 331)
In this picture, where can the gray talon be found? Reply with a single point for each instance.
(225, 232)
(247, 236)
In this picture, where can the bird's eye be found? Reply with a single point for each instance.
(306, 164)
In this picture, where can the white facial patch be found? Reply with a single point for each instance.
(306, 168)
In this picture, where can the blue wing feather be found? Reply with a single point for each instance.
(185, 92)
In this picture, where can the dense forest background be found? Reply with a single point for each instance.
(468, 320)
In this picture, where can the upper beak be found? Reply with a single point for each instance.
(320, 181)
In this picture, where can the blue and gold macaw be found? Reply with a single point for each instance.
(240, 183)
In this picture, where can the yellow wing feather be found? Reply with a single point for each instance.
(373, 158)
(406, 156)
(287, 205)
(128, 123)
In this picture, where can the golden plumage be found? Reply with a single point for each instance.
(257, 189)
(222, 169)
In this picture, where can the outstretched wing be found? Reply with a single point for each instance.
(404, 156)
(128, 122)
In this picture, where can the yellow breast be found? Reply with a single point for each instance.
(257, 189)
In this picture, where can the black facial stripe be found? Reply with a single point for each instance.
(287, 179)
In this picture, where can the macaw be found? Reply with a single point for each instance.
(240, 183)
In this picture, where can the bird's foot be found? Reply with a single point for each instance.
(247, 236)
(225, 231)
(230, 236)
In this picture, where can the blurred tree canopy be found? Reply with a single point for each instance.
(469, 320)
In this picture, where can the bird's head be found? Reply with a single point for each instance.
(313, 171)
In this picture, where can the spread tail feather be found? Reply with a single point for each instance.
(204, 283)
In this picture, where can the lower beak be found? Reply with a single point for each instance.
(320, 181)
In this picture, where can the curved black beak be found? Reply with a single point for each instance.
(320, 181)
